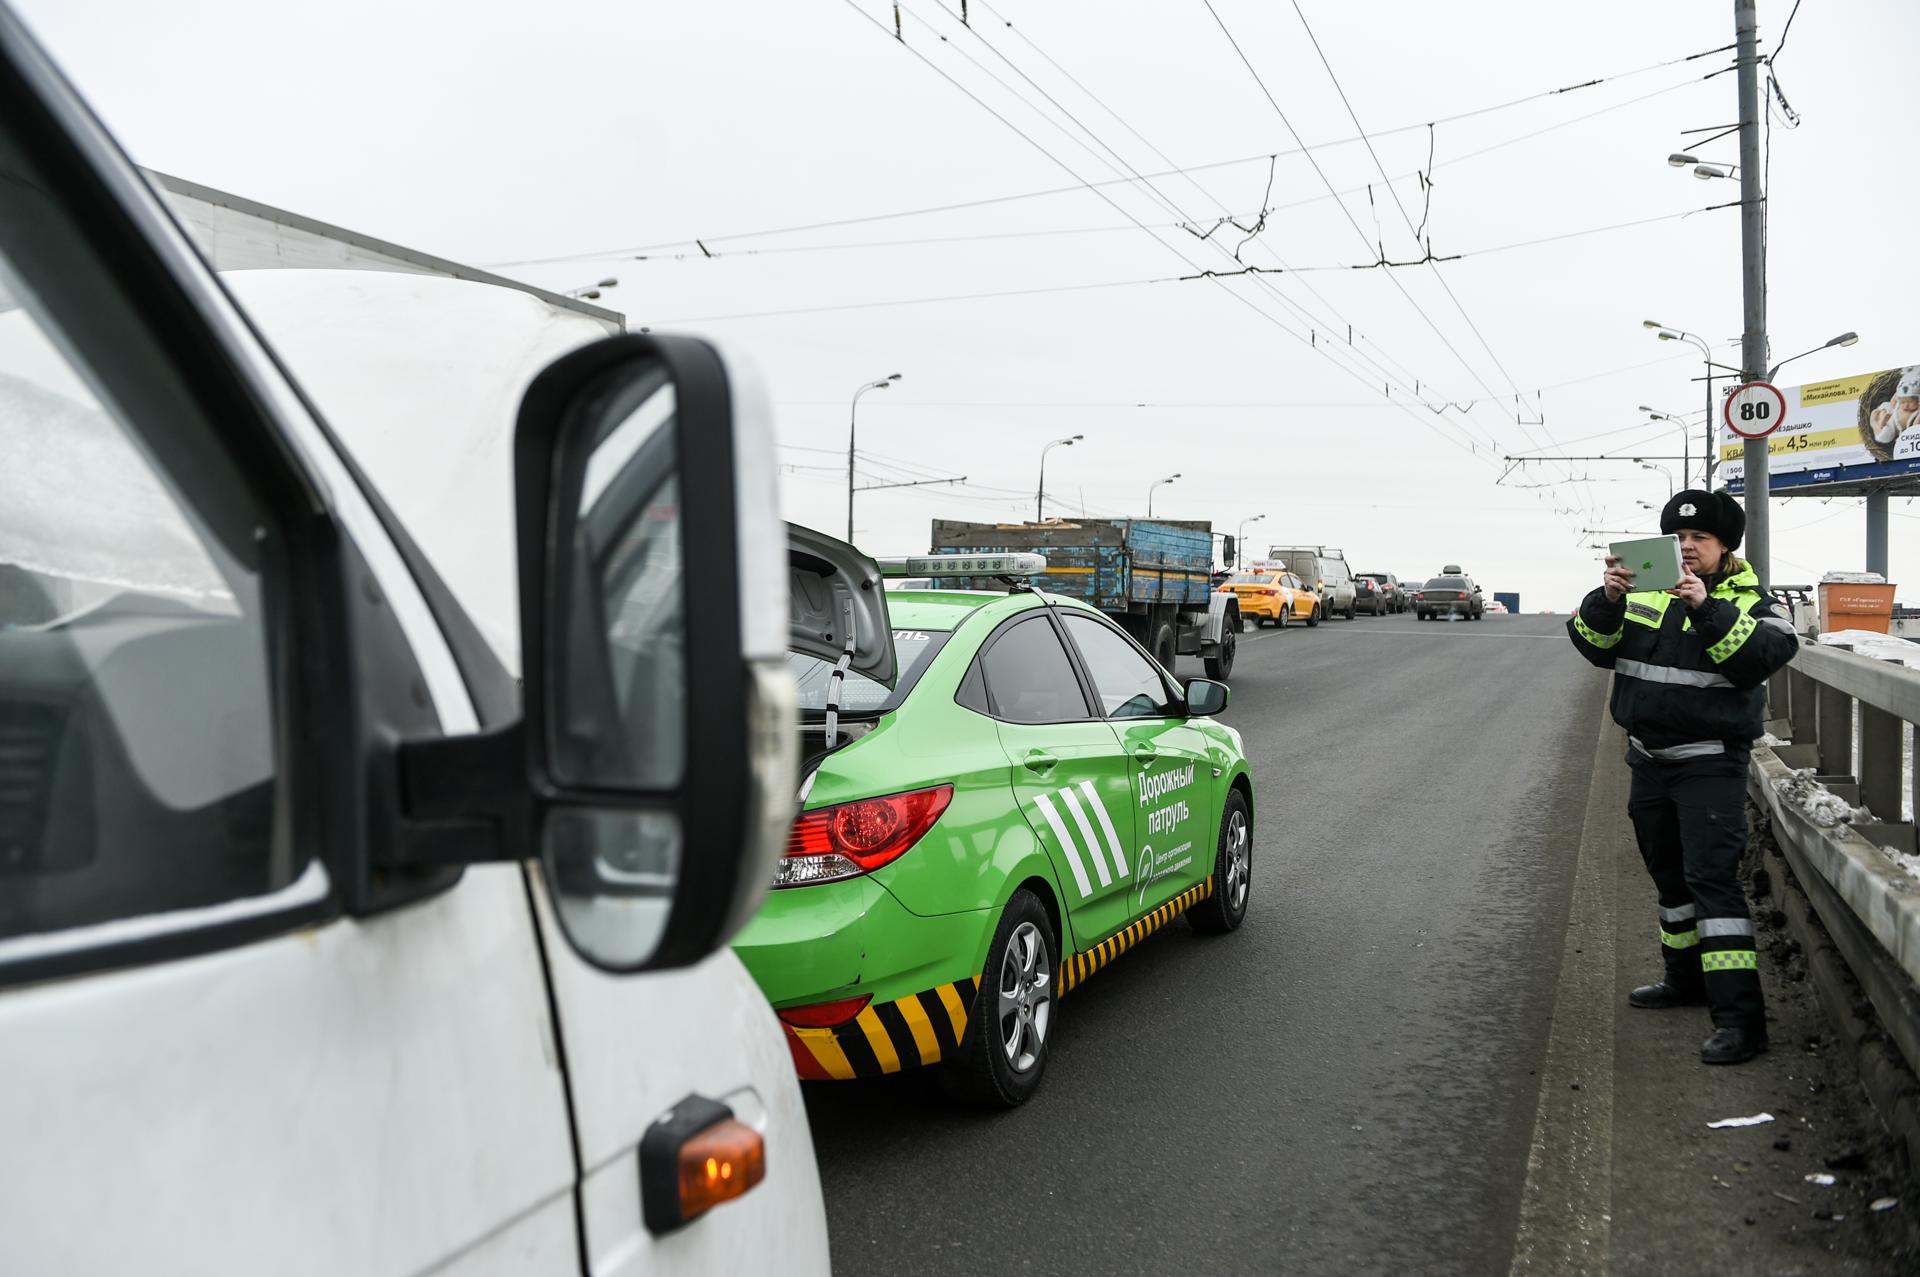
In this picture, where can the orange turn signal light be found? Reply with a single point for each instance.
(718, 1165)
(694, 1157)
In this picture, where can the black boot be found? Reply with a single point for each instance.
(1658, 997)
(1733, 1046)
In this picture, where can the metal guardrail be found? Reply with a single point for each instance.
(1847, 717)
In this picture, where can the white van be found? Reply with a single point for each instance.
(1321, 569)
(377, 797)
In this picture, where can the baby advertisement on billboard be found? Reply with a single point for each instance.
(1842, 430)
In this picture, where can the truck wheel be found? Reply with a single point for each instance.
(1163, 649)
(1313, 617)
(1224, 910)
(1010, 1027)
(1221, 666)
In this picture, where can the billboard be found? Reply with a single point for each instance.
(1838, 431)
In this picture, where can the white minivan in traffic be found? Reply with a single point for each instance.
(384, 766)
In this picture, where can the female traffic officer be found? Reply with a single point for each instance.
(1690, 667)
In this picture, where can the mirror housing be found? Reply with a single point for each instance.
(654, 764)
(1205, 698)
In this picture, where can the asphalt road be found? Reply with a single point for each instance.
(1349, 1082)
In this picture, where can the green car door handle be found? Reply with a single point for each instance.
(1145, 753)
(1039, 760)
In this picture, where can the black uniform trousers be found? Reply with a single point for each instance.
(1690, 818)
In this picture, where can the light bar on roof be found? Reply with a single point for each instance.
(965, 564)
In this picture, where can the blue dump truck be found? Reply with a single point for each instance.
(1154, 577)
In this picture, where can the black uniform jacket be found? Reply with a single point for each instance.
(1689, 683)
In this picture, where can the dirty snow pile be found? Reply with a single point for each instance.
(1773, 742)
(1824, 807)
(1881, 647)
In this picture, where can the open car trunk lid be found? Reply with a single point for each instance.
(837, 603)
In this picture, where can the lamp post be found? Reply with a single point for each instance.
(1648, 465)
(1686, 460)
(1669, 333)
(1156, 483)
(1240, 538)
(1040, 499)
(852, 416)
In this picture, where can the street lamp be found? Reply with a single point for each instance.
(1156, 483)
(1844, 339)
(1040, 499)
(1686, 457)
(1648, 465)
(1240, 539)
(1705, 172)
(852, 416)
(1667, 332)
(592, 291)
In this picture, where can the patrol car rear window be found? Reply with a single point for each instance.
(912, 650)
(1255, 578)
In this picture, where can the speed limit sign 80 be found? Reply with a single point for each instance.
(1755, 410)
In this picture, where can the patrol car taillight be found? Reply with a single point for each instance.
(851, 839)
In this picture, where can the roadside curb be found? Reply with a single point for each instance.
(1566, 1216)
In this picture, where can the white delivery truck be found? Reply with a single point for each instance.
(385, 760)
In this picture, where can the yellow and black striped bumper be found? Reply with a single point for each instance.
(924, 1028)
(886, 1037)
(1075, 970)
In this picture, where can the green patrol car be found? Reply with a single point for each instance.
(1026, 798)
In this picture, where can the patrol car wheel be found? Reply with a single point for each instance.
(1224, 910)
(1313, 617)
(1286, 617)
(1010, 1029)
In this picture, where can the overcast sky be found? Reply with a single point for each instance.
(499, 133)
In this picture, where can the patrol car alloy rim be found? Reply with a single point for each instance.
(1026, 997)
(1237, 861)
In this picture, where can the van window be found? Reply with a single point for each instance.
(138, 761)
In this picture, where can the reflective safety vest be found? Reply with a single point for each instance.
(1688, 684)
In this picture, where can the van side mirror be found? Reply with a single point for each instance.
(654, 765)
(1205, 697)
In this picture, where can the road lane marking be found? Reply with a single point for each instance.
(1565, 1226)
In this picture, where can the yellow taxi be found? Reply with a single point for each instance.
(1271, 595)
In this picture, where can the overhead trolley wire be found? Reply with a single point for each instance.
(1394, 192)
(1299, 312)
(1252, 234)
(1102, 195)
(698, 243)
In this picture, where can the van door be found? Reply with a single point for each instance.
(208, 1068)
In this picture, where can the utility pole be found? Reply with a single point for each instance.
(1753, 252)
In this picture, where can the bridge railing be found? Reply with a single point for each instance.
(1848, 723)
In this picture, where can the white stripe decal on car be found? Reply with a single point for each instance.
(1086, 830)
(1106, 827)
(1066, 844)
